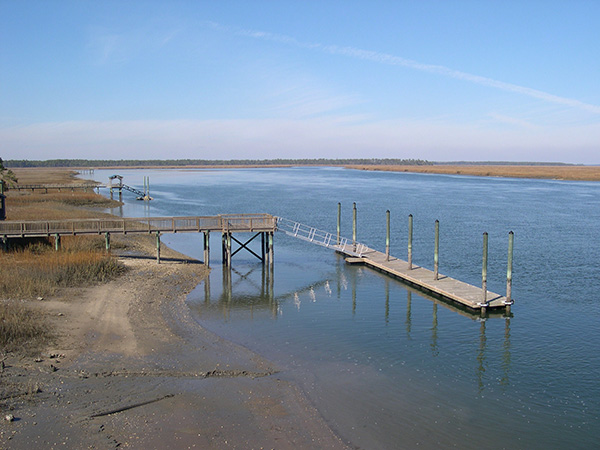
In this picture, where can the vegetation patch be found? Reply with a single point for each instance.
(19, 327)
(39, 271)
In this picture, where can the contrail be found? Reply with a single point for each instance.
(385, 58)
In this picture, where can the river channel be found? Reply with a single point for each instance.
(387, 366)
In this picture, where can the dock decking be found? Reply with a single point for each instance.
(223, 223)
(445, 287)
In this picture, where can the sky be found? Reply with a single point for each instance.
(439, 80)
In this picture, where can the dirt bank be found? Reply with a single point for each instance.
(130, 368)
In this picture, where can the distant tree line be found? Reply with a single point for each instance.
(94, 163)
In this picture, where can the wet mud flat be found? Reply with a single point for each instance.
(130, 368)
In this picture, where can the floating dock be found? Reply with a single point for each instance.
(445, 287)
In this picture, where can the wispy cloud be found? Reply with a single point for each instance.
(386, 58)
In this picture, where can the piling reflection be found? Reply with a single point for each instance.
(481, 356)
(504, 381)
(434, 332)
(248, 291)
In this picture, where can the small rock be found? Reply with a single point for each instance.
(9, 418)
(40, 298)
(38, 359)
(60, 314)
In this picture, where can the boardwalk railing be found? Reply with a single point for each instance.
(240, 222)
(322, 238)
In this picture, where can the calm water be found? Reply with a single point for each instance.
(386, 366)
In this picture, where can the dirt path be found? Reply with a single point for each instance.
(131, 368)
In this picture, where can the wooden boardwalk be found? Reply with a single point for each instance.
(223, 223)
(444, 287)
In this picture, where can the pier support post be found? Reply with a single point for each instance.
(484, 265)
(57, 242)
(120, 194)
(107, 241)
(354, 225)
(511, 241)
(387, 235)
(339, 223)
(4, 240)
(436, 251)
(410, 237)
(111, 193)
(207, 248)
(158, 247)
(271, 252)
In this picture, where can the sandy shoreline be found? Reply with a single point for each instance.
(131, 368)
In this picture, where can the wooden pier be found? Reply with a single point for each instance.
(264, 225)
(260, 224)
(431, 282)
(445, 287)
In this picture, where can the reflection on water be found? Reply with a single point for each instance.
(258, 304)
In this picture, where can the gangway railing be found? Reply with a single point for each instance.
(320, 237)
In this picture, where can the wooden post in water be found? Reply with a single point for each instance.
(436, 250)
(57, 242)
(207, 248)
(111, 193)
(354, 225)
(228, 245)
(158, 247)
(484, 265)
(339, 222)
(410, 235)
(223, 249)
(387, 235)
(271, 252)
(107, 241)
(511, 241)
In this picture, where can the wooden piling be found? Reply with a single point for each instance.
(387, 235)
(57, 242)
(207, 248)
(484, 266)
(436, 251)
(354, 224)
(511, 241)
(107, 241)
(410, 238)
(158, 247)
(339, 222)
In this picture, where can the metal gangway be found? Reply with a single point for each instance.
(322, 238)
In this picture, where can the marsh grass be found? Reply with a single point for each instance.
(19, 328)
(39, 271)
(583, 173)
(33, 269)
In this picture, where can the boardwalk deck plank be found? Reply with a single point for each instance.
(446, 287)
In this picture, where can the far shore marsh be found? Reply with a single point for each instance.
(558, 172)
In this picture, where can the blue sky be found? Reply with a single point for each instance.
(437, 80)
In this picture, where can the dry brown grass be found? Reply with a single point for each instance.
(30, 273)
(19, 328)
(50, 175)
(34, 269)
(581, 173)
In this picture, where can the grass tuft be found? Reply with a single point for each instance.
(18, 326)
